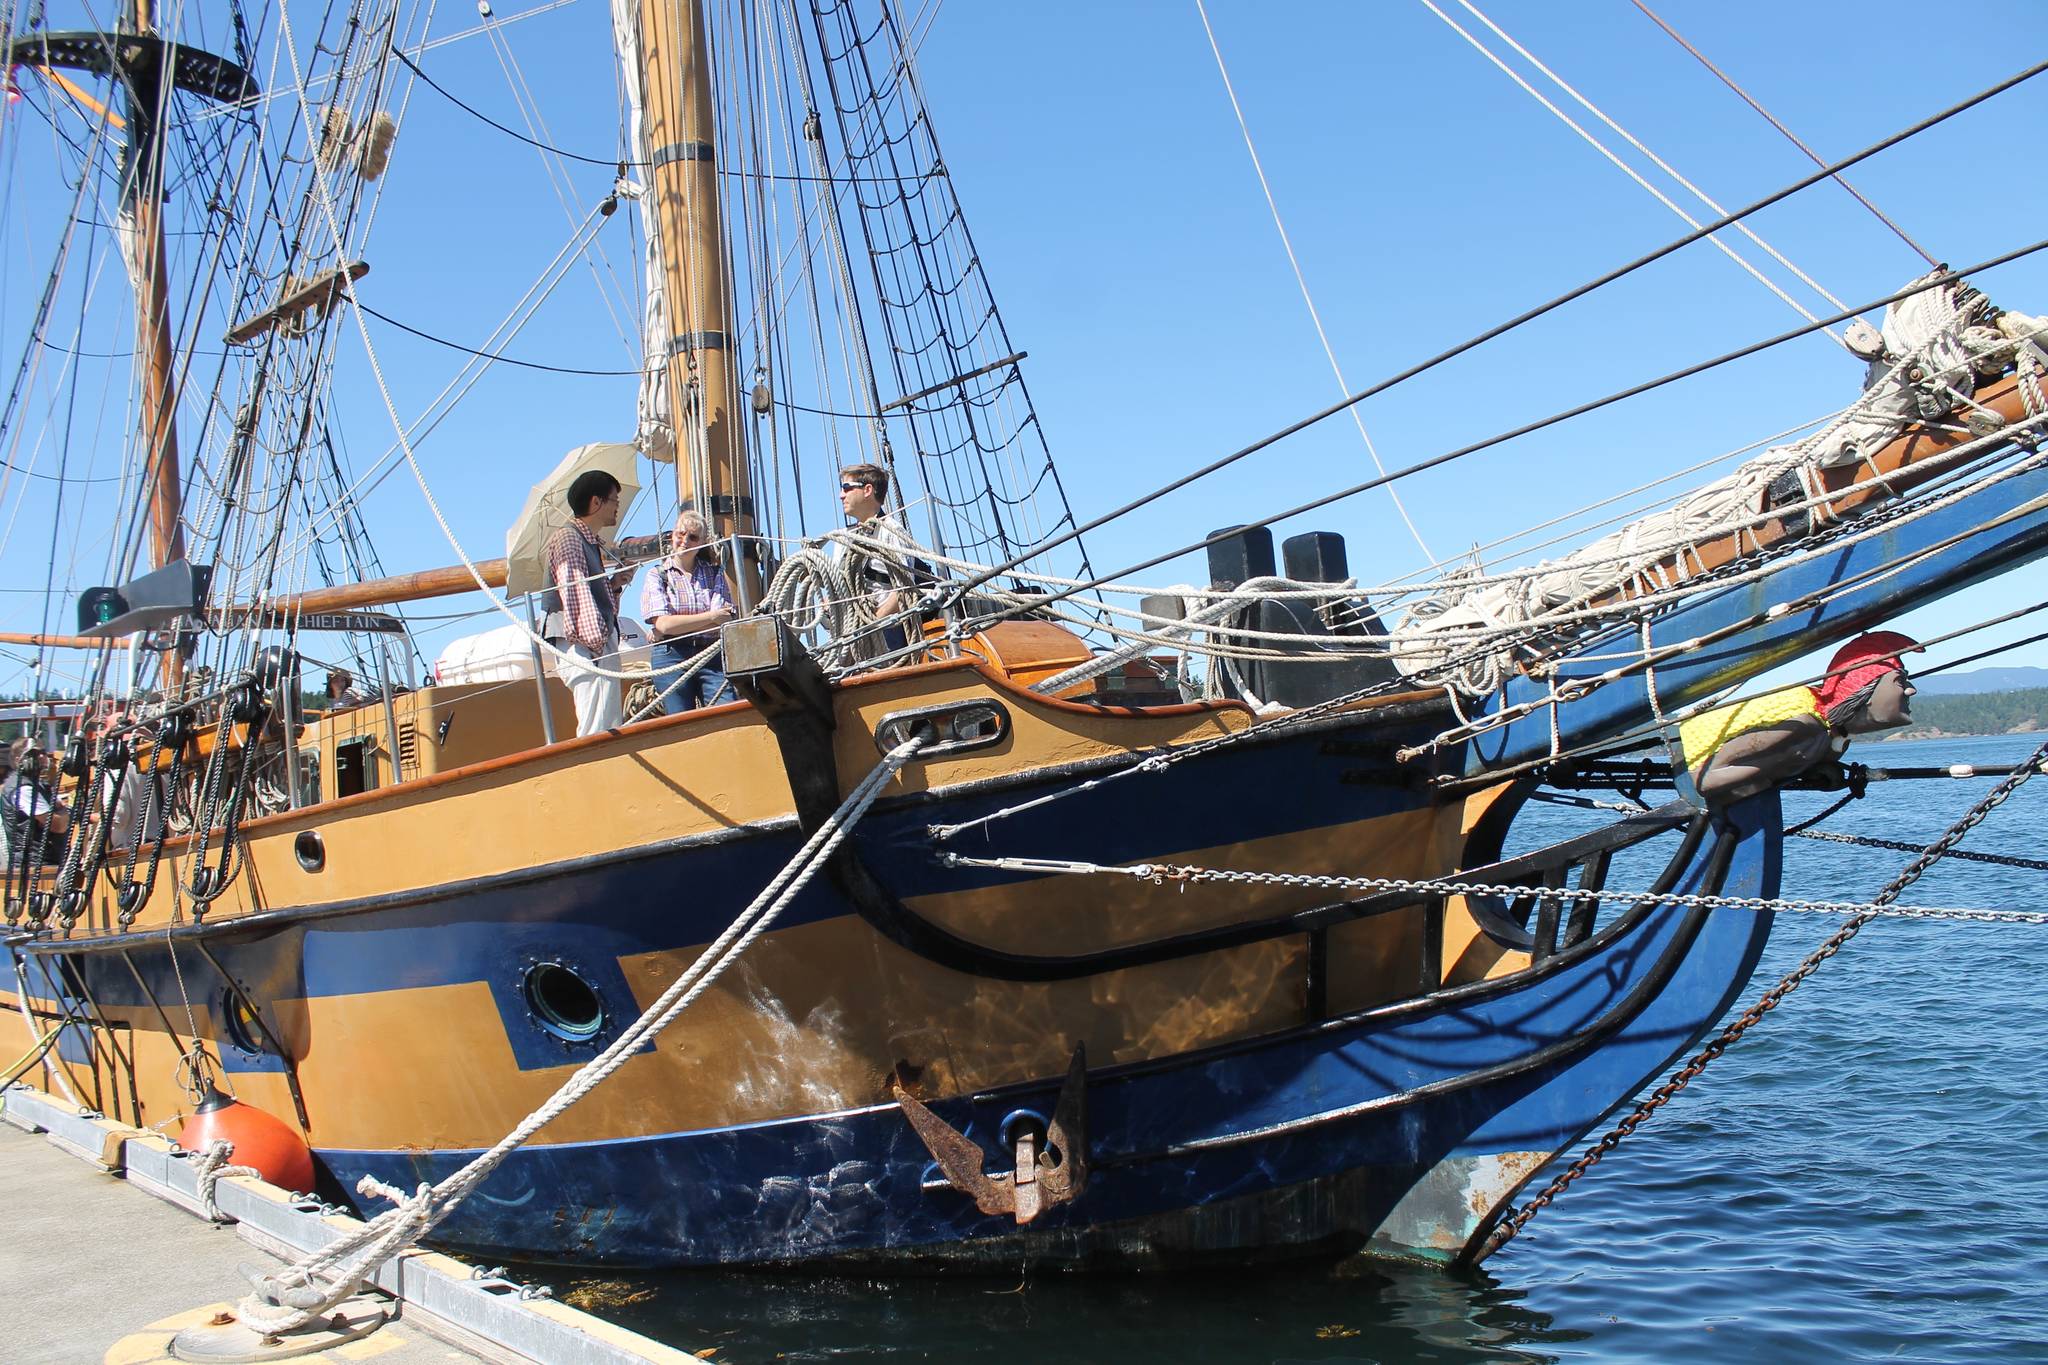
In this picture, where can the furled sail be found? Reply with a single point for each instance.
(655, 432)
(1936, 344)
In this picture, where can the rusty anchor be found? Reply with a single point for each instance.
(1050, 1169)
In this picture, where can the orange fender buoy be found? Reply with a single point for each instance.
(267, 1143)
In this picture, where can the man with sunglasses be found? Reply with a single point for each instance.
(1743, 749)
(883, 574)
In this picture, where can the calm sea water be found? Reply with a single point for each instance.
(1852, 1182)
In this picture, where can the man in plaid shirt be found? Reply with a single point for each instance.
(583, 603)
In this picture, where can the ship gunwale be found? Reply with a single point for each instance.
(1441, 998)
(639, 729)
(1392, 709)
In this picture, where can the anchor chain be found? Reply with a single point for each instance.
(1506, 1230)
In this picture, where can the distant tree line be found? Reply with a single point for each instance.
(1979, 713)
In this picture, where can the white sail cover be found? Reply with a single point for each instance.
(656, 433)
(1932, 345)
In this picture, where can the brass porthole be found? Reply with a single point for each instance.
(563, 1003)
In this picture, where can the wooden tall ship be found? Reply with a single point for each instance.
(397, 927)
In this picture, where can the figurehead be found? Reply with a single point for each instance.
(1866, 686)
(1742, 749)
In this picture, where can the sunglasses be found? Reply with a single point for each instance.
(849, 487)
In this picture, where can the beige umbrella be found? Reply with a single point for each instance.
(547, 510)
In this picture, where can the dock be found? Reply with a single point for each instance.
(101, 1271)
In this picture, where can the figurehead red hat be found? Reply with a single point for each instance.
(1860, 663)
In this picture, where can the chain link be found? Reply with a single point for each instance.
(1929, 856)
(1896, 846)
(1162, 873)
(1801, 832)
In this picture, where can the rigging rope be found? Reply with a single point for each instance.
(497, 357)
(301, 1294)
(1772, 119)
(1804, 829)
(1580, 410)
(1624, 167)
(1520, 319)
(1301, 280)
(1752, 568)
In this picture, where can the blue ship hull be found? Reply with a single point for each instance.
(1401, 1130)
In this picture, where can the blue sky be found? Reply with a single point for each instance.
(1125, 235)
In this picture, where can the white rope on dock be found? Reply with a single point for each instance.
(214, 1168)
(303, 1293)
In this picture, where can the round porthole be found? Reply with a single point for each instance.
(240, 1024)
(311, 850)
(563, 1003)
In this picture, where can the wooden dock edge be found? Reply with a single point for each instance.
(442, 1296)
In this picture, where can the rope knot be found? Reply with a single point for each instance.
(214, 1168)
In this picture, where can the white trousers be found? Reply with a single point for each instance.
(600, 704)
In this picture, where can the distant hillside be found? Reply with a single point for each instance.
(1981, 680)
(1981, 713)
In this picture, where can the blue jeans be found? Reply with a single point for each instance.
(707, 687)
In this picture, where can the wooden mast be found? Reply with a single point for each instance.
(142, 200)
(680, 138)
(148, 69)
